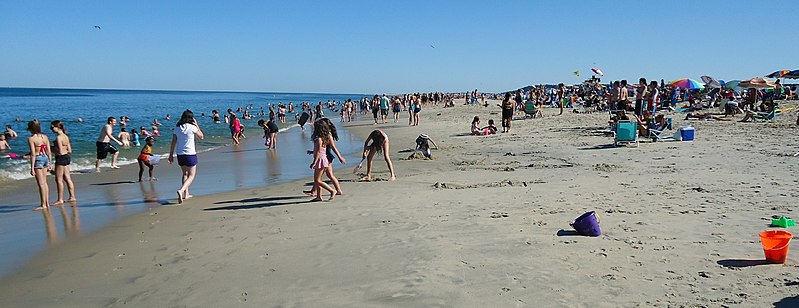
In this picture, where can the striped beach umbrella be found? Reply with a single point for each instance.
(687, 84)
(758, 83)
(791, 75)
(778, 74)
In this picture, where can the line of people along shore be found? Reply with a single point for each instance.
(639, 102)
(55, 157)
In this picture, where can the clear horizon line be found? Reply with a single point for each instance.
(180, 90)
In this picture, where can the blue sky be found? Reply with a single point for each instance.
(384, 46)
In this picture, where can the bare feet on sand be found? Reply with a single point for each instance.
(58, 203)
(180, 197)
(41, 208)
(73, 199)
(115, 167)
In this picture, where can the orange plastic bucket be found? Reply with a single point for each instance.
(775, 245)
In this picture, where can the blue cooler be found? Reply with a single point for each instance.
(687, 133)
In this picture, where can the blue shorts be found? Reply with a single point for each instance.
(41, 161)
(187, 160)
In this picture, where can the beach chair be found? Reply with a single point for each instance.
(626, 133)
(661, 135)
(765, 116)
(533, 111)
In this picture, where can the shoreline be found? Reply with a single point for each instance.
(114, 193)
(484, 223)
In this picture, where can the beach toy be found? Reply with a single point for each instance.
(154, 160)
(783, 222)
(358, 167)
(587, 224)
(775, 245)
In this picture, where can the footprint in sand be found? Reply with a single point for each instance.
(499, 215)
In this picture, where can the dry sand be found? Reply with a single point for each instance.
(483, 224)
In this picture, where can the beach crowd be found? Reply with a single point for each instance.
(646, 102)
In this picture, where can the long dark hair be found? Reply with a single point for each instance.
(377, 141)
(186, 118)
(331, 127)
(321, 130)
(60, 125)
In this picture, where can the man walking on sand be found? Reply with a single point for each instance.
(104, 144)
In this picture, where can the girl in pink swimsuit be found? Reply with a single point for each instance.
(320, 162)
(40, 162)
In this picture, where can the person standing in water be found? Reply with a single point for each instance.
(62, 148)
(134, 138)
(40, 162)
(235, 128)
(124, 136)
(270, 133)
(104, 146)
(183, 146)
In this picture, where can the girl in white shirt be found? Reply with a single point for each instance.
(183, 146)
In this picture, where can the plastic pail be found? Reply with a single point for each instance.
(587, 224)
(775, 245)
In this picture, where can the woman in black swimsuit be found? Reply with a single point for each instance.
(62, 148)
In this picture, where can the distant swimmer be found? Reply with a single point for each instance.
(4, 144)
(10, 133)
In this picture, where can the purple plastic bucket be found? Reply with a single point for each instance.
(587, 224)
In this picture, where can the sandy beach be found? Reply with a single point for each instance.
(485, 223)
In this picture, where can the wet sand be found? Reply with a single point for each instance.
(483, 224)
(114, 193)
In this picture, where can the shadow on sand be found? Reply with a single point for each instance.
(252, 200)
(599, 147)
(562, 232)
(736, 263)
(257, 203)
(788, 302)
(113, 183)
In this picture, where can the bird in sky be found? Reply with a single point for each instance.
(431, 46)
(98, 27)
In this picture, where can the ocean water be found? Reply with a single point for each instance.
(222, 167)
(142, 107)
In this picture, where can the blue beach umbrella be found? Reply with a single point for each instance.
(732, 84)
(791, 75)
